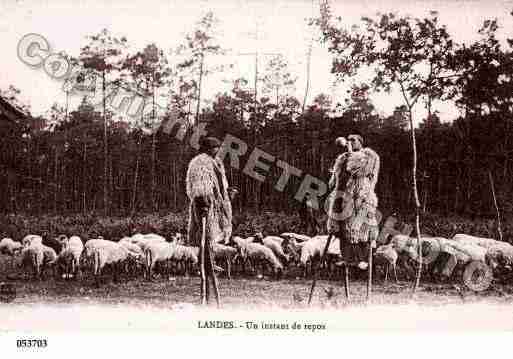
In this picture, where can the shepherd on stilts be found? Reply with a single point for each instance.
(352, 205)
(210, 210)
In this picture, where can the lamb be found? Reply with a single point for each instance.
(255, 252)
(31, 238)
(38, 257)
(225, 253)
(10, 247)
(70, 254)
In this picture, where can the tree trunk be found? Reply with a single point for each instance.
(499, 229)
(105, 149)
(417, 202)
(136, 176)
(84, 178)
(307, 88)
(153, 156)
(199, 89)
(55, 176)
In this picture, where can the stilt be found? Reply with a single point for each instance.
(346, 280)
(211, 271)
(328, 241)
(369, 271)
(203, 290)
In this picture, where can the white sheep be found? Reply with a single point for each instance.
(311, 252)
(135, 250)
(31, 238)
(38, 257)
(10, 247)
(500, 256)
(387, 254)
(102, 252)
(157, 252)
(186, 255)
(273, 243)
(143, 240)
(296, 236)
(226, 254)
(479, 241)
(258, 253)
(453, 251)
(70, 254)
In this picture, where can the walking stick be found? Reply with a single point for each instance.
(202, 262)
(315, 273)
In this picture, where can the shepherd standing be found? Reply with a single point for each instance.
(210, 210)
(353, 201)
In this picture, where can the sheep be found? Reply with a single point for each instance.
(143, 240)
(136, 253)
(387, 254)
(225, 253)
(178, 238)
(292, 249)
(10, 247)
(500, 256)
(255, 252)
(157, 252)
(31, 238)
(133, 248)
(480, 241)
(103, 252)
(273, 243)
(187, 255)
(448, 252)
(69, 256)
(55, 243)
(297, 237)
(38, 257)
(311, 251)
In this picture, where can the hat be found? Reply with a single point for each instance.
(208, 143)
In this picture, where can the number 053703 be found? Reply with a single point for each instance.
(31, 343)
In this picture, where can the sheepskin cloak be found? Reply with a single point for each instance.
(352, 203)
(206, 177)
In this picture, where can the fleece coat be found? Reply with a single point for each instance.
(206, 178)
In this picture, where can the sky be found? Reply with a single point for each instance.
(282, 29)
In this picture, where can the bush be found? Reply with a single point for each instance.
(245, 224)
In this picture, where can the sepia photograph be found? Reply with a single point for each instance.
(255, 166)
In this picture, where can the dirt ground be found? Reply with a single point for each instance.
(240, 292)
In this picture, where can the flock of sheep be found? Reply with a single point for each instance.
(148, 254)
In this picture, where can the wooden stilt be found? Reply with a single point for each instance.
(346, 280)
(212, 273)
(369, 269)
(328, 241)
(202, 263)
